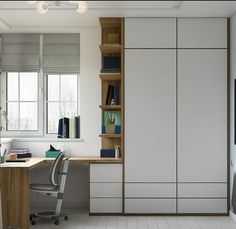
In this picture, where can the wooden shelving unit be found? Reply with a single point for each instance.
(110, 76)
(112, 26)
(110, 107)
(110, 135)
(107, 48)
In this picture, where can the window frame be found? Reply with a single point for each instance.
(21, 133)
(46, 134)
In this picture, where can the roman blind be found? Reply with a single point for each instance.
(61, 53)
(20, 52)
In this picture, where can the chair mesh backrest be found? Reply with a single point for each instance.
(56, 169)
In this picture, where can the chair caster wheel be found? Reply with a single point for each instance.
(66, 218)
(33, 222)
(57, 222)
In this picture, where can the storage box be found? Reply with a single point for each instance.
(52, 154)
(107, 153)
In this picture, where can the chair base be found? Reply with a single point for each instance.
(47, 216)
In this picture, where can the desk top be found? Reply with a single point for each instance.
(36, 161)
(33, 162)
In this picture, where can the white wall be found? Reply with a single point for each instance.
(233, 76)
(77, 190)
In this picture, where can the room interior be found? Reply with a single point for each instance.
(138, 98)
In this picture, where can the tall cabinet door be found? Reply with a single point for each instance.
(202, 130)
(150, 124)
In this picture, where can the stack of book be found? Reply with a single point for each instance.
(113, 94)
(21, 152)
(69, 127)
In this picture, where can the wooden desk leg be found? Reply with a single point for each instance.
(14, 186)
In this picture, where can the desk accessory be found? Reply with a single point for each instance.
(107, 153)
(52, 152)
(18, 160)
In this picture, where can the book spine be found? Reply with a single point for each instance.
(60, 128)
(70, 128)
(73, 128)
(77, 127)
(117, 94)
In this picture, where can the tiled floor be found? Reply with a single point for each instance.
(83, 220)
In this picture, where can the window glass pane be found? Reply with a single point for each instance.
(53, 87)
(12, 115)
(28, 116)
(68, 87)
(69, 109)
(12, 86)
(53, 117)
(28, 86)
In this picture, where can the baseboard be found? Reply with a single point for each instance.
(232, 215)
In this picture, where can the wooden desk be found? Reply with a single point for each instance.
(14, 187)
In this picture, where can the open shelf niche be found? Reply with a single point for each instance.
(112, 45)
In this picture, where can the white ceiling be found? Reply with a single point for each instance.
(20, 16)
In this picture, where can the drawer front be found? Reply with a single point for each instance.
(202, 190)
(202, 205)
(150, 206)
(105, 172)
(105, 205)
(106, 190)
(143, 190)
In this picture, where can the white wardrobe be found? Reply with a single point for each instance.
(176, 115)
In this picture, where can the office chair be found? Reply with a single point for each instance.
(57, 178)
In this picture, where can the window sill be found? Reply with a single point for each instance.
(5, 140)
(47, 139)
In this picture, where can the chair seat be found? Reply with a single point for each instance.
(44, 187)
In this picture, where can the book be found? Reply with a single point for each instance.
(113, 93)
(60, 128)
(77, 124)
(66, 131)
(70, 128)
(116, 96)
(19, 150)
(73, 128)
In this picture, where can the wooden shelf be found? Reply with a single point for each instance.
(110, 76)
(110, 48)
(110, 135)
(110, 107)
(110, 22)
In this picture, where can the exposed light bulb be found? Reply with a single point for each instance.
(31, 2)
(42, 7)
(82, 7)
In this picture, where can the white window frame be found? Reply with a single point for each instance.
(21, 133)
(46, 134)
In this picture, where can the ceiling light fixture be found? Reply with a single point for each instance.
(43, 6)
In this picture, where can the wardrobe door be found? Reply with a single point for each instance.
(202, 115)
(202, 32)
(202, 130)
(150, 33)
(150, 114)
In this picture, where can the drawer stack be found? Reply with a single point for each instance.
(105, 188)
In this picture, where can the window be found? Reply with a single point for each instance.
(62, 99)
(22, 101)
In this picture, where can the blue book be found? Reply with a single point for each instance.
(117, 94)
(77, 127)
